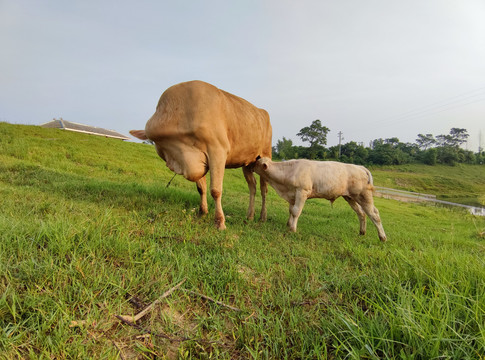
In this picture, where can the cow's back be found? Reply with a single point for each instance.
(249, 130)
(200, 113)
(184, 110)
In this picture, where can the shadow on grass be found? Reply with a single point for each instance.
(129, 195)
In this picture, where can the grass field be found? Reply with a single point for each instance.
(462, 184)
(88, 230)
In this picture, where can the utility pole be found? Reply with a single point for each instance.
(480, 149)
(340, 138)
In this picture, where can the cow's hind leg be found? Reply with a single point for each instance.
(251, 180)
(202, 189)
(360, 213)
(366, 201)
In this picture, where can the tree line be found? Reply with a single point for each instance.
(427, 149)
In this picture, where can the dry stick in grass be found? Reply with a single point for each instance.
(127, 319)
(211, 299)
(148, 331)
(169, 338)
(120, 353)
(134, 319)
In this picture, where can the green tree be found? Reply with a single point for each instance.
(448, 155)
(458, 136)
(353, 153)
(455, 138)
(285, 149)
(429, 156)
(389, 152)
(315, 134)
(425, 141)
(444, 140)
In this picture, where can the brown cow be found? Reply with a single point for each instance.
(198, 128)
(299, 180)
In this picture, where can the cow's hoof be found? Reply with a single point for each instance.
(221, 227)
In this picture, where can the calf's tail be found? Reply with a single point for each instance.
(370, 181)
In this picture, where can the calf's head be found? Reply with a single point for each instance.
(262, 165)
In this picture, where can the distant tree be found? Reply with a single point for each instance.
(353, 153)
(392, 141)
(429, 156)
(458, 136)
(444, 140)
(285, 149)
(469, 156)
(382, 153)
(315, 134)
(449, 151)
(480, 159)
(455, 138)
(316, 152)
(390, 152)
(448, 155)
(425, 141)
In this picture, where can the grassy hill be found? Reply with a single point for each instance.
(88, 230)
(464, 184)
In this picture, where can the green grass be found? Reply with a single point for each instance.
(464, 184)
(89, 230)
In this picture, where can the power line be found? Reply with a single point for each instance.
(417, 116)
(447, 101)
(434, 108)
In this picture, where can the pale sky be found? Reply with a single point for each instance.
(369, 68)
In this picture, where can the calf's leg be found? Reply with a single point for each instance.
(360, 213)
(367, 204)
(296, 209)
(251, 180)
(264, 191)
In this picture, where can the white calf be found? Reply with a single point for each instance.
(299, 180)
